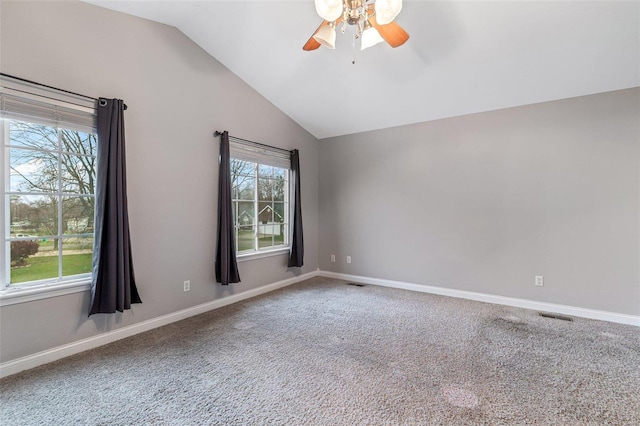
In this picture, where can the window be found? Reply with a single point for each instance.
(260, 194)
(49, 154)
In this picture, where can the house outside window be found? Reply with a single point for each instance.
(49, 148)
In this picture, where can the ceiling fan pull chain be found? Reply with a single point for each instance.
(353, 46)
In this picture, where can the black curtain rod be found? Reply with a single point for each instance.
(219, 133)
(50, 87)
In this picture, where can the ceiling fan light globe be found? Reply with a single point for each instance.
(329, 10)
(326, 36)
(370, 37)
(387, 10)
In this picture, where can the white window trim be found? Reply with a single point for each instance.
(280, 251)
(14, 296)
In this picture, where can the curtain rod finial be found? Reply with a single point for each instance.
(217, 133)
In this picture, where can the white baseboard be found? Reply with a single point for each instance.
(491, 298)
(17, 365)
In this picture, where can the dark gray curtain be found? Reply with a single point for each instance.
(297, 247)
(226, 264)
(113, 287)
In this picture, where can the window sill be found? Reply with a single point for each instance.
(262, 254)
(29, 294)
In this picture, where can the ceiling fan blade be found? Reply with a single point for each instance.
(312, 44)
(392, 33)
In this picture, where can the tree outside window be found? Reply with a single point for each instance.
(51, 187)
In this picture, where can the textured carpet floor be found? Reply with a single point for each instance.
(325, 353)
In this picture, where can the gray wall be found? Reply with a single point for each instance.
(484, 202)
(177, 95)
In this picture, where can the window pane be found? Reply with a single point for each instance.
(245, 187)
(36, 215)
(279, 212)
(78, 142)
(279, 216)
(265, 189)
(48, 246)
(33, 135)
(265, 237)
(78, 174)
(265, 212)
(246, 211)
(246, 238)
(278, 236)
(77, 255)
(242, 168)
(32, 171)
(77, 215)
(278, 188)
(265, 171)
(33, 260)
(267, 228)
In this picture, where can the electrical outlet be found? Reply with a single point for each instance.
(333, 257)
(539, 280)
(187, 285)
(348, 259)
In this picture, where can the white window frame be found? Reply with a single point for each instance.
(266, 156)
(31, 102)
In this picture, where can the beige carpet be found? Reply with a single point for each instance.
(326, 353)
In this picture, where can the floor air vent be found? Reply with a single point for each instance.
(555, 316)
(356, 284)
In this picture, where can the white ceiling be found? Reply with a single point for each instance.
(462, 57)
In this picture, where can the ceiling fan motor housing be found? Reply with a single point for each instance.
(355, 12)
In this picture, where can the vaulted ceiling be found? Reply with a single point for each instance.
(463, 56)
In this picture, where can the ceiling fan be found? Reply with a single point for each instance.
(373, 22)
